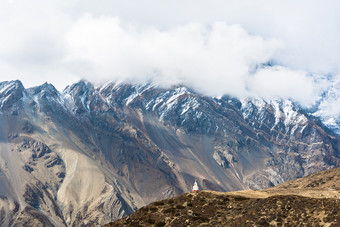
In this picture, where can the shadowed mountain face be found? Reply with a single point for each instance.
(89, 155)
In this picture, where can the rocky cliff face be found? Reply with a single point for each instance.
(89, 155)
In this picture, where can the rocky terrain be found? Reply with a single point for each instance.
(89, 155)
(309, 201)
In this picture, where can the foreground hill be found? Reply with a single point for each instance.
(89, 155)
(324, 180)
(315, 204)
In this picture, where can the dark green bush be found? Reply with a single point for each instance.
(160, 224)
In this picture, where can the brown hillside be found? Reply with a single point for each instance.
(313, 200)
(328, 179)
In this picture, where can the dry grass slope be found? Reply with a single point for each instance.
(312, 201)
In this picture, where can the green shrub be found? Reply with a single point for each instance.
(160, 224)
(220, 203)
(151, 221)
(179, 207)
(153, 209)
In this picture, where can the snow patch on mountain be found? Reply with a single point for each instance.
(5, 87)
(328, 109)
(139, 91)
(285, 112)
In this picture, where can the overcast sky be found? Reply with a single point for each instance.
(215, 46)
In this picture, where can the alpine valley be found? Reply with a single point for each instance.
(90, 155)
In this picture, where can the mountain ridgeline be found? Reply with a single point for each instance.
(89, 155)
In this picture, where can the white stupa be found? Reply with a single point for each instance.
(195, 187)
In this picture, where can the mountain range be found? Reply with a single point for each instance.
(89, 155)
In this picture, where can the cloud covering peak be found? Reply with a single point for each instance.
(243, 49)
(215, 59)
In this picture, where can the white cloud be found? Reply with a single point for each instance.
(216, 59)
(280, 82)
(212, 46)
(330, 105)
(31, 43)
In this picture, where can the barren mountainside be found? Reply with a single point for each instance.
(90, 155)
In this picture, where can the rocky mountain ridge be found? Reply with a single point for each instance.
(91, 154)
